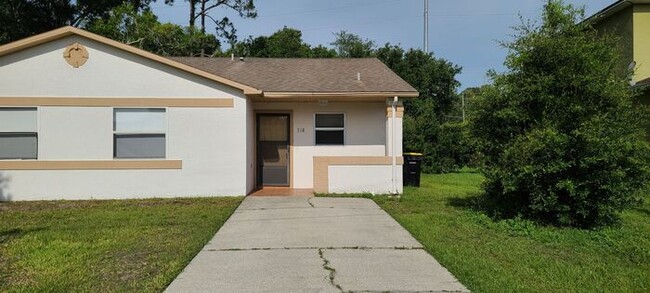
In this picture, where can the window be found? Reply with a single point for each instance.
(18, 134)
(139, 133)
(330, 129)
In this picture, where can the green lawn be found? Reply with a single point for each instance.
(517, 255)
(117, 245)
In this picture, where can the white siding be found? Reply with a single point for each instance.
(42, 71)
(211, 142)
(75, 133)
(364, 179)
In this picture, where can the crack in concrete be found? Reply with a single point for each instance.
(310, 203)
(331, 270)
(318, 248)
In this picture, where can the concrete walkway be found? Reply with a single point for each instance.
(311, 244)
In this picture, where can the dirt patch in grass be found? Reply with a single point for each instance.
(126, 266)
(47, 205)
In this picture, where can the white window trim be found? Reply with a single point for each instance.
(163, 132)
(345, 133)
(38, 130)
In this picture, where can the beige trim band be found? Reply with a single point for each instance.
(321, 167)
(92, 165)
(117, 102)
(399, 113)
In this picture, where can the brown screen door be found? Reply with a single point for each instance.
(273, 149)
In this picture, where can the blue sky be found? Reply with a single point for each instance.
(464, 32)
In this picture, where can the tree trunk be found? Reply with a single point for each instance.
(192, 12)
(203, 15)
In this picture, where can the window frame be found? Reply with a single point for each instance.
(162, 132)
(316, 129)
(35, 133)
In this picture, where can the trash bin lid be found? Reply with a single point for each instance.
(412, 154)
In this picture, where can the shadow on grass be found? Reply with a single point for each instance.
(498, 211)
(479, 202)
(642, 210)
(13, 233)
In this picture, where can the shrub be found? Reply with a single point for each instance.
(456, 148)
(562, 139)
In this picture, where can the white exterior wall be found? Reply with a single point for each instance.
(363, 179)
(389, 131)
(365, 134)
(211, 142)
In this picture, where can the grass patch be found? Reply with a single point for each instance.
(517, 255)
(115, 245)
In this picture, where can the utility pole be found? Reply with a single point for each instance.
(426, 26)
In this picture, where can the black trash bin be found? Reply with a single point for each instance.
(411, 169)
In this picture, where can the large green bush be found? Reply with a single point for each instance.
(562, 138)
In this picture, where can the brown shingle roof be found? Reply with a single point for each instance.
(305, 75)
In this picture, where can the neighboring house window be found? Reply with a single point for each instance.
(329, 129)
(139, 133)
(18, 134)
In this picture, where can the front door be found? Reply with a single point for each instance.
(273, 149)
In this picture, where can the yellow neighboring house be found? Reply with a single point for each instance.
(630, 20)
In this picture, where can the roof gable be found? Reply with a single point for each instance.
(68, 31)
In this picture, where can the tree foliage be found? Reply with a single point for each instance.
(201, 10)
(348, 45)
(562, 139)
(24, 18)
(285, 43)
(143, 30)
(424, 122)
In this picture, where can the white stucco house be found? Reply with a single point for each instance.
(83, 116)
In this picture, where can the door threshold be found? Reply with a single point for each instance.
(282, 191)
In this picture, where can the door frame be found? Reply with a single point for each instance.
(258, 171)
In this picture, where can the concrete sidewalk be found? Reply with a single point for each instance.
(310, 244)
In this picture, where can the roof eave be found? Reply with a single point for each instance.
(340, 94)
(69, 30)
(609, 10)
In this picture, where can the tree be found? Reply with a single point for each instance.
(424, 129)
(24, 18)
(321, 51)
(142, 29)
(348, 45)
(200, 9)
(285, 43)
(562, 139)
